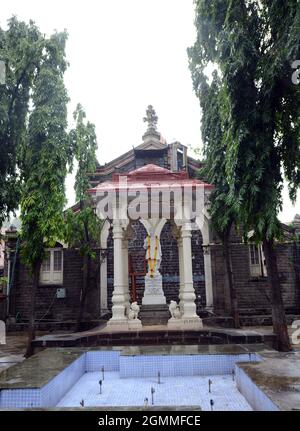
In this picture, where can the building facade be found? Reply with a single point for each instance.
(61, 274)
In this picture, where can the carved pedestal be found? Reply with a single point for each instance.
(174, 323)
(154, 314)
(192, 323)
(153, 294)
(134, 324)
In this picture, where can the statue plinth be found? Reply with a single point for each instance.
(153, 294)
(135, 324)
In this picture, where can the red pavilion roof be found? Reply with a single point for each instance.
(149, 176)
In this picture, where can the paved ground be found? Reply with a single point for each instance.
(278, 375)
(184, 391)
(13, 351)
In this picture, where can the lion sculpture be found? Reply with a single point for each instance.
(174, 310)
(134, 311)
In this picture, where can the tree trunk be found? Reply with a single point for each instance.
(232, 290)
(278, 314)
(85, 271)
(85, 284)
(31, 321)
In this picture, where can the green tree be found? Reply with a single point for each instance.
(214, 127)
(254, 43)
(20, 50)
(45, 156)
(83, 227)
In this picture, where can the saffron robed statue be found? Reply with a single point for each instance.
(153, 280)
(153, 253)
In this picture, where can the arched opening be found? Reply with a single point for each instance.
(198, 270)
(136, 261)
(170, 263)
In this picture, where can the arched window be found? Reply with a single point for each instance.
(52, 266)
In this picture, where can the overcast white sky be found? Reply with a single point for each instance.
(125, 55)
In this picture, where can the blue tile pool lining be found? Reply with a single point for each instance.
(127, 366)
(257, 399)
(171, 391)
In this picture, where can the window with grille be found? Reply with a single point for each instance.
(52, 267)
(257, 261)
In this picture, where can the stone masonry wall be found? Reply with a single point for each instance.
(46, 302)
(253, 293)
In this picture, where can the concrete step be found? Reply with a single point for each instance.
(251, 320)
(154, 314)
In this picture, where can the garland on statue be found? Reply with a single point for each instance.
(152, 262)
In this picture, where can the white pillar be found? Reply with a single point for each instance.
(181, 274)
(125, 275)
(103, 267)
(118, 320)
(189, 316)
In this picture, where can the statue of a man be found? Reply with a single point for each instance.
(153, 253)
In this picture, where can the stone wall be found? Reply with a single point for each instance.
(254, 293)
(46, 301)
